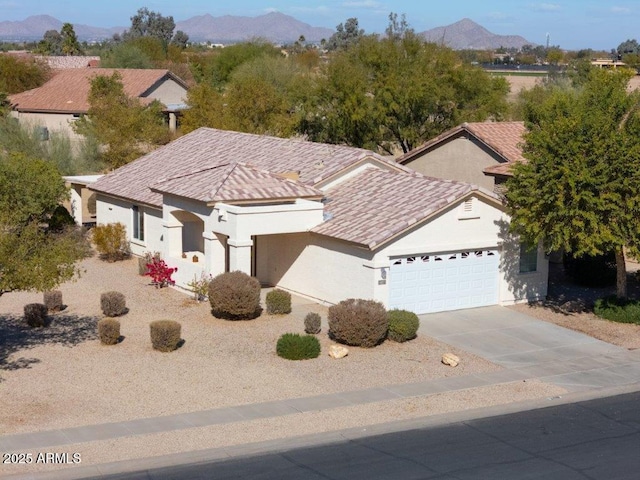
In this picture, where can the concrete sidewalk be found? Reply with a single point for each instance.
(528, 349)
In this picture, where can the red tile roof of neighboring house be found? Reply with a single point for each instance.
(68, 89)
(504, 138)
(206, 148)
(234, 182)
(376, 205)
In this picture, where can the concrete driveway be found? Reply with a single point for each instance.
(564, 357)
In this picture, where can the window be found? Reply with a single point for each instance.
(138, 223)
(528, 258)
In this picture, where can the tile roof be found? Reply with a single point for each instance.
(234, 182)
(376, 205)
(206, 148)
(68, 89)
(504, 138)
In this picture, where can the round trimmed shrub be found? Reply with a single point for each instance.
(113, 304)
(109, 331)
(312, 323)
(35, 314)
(278, 302)
(235, 296)
(403, 325)
(294, 346)
(165, 335)
(53, 300)
(358, 322)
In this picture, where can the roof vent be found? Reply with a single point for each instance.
(326, 216)
(319, 165)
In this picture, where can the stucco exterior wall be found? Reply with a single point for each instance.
(54, 122)
(461, 159)
(168, 92)
(315, 266)
(112, 210)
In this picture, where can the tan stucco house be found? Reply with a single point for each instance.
(480, 153)
(64, 98)
(324, 221)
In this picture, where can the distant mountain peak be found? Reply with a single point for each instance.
(467, 34)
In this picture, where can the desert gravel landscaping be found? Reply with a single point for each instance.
(66, 378)
(221, 363)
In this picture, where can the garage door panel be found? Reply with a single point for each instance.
(431, 283)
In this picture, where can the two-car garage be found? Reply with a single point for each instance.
(444, 281)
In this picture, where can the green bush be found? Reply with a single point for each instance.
(235, 296)
(109, 331)
(403, 325)
(312, 323)
(165, 335)
(294, 346)
(111, 241)
(53, 300)
(591, 271)
(113, 304)
(35, 314)
(278, 302)
(60, 219)
(618, 310)
(362, 323)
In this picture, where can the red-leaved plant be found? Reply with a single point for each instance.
(160, 273)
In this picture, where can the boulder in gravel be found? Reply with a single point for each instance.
(338, 351)
(450, 359)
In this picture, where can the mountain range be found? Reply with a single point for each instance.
(275, 27)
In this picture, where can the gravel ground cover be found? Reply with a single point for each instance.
(64, 377)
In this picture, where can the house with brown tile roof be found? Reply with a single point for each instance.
(324, 221)
(65, 97)
(482, 153)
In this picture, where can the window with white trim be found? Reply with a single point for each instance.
(528, 258)
(138, 223)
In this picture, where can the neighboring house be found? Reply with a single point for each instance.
(324, 221)
(65, 97)
(481, 153)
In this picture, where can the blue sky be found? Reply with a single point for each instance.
(572, 24)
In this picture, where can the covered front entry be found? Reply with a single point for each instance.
(444, 281)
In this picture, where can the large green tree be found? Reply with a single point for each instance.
(398, 91)
(580, 188)
(32, 256)
(20, 74)
(125, 126)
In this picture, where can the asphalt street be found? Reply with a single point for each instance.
(595, 439)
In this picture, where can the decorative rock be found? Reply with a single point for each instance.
(338, 351)
(450, 359)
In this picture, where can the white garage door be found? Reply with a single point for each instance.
(448, 281)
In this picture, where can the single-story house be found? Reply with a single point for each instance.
(65, 96)
(481, 153)
(324, 221)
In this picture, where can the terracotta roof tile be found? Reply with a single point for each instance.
(68, 89)
(234, 182)
(207, 148)
(377, 204)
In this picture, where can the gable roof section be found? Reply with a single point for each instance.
(504, 138)
(376, 205)
(207, 147)
(234, 183)
(68, 89)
